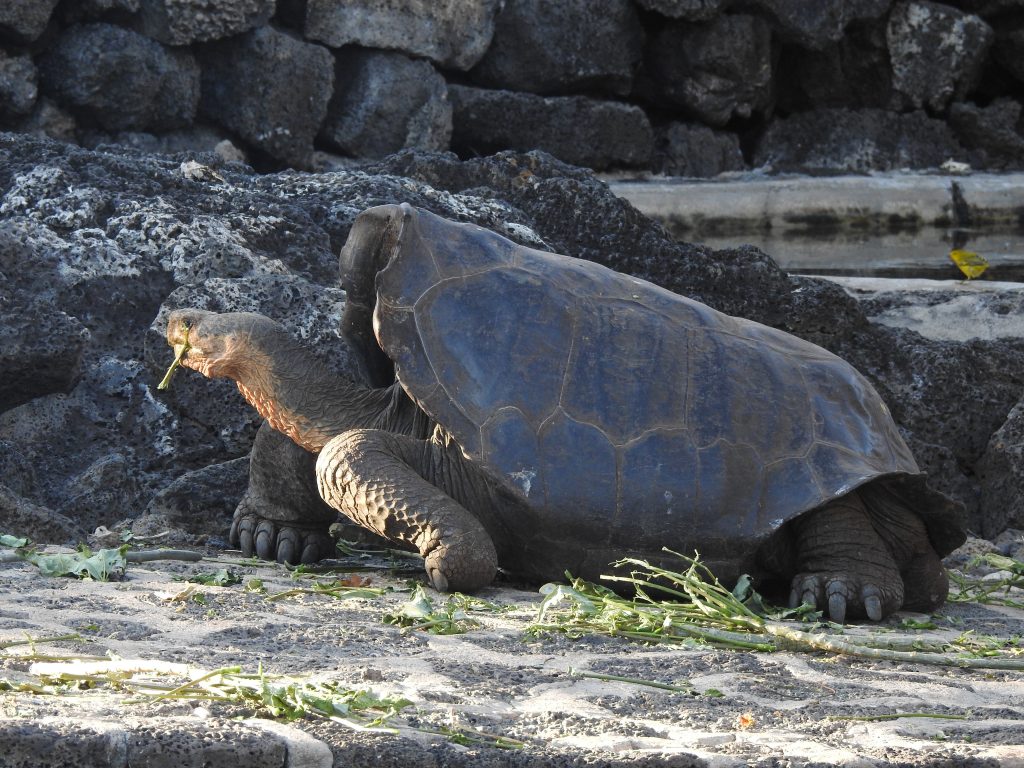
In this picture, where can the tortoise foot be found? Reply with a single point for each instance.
(270, 540)
(842, 594)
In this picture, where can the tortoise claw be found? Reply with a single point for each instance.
(843, 595)
(268, 540)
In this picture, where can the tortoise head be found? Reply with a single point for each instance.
(234, 344)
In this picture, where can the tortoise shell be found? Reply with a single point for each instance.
(618, 412)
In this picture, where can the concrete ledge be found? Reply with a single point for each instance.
(883, 203)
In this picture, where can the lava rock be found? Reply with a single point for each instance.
(384, 102)
(847, 140)
(1002, 477)
(201, 501)
(21, 517)
(18, 87)
(120, 80)
(575, 129)
(48, 119)
(271, 89)
(994, 129)
(1009, 46)
(693, 10)
(22, 21)
(553, 48)
(715, 71)
(854, 73)
(453, 33)
(937, 52)
(818, 25)
(183, 22)
(687, 149)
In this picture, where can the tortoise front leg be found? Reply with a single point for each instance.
(376, 478)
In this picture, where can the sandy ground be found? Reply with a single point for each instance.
(738, 708)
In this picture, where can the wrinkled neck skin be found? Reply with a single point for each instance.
(301, 398)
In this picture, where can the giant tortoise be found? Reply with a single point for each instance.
(541, 414)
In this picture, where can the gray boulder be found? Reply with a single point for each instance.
(1009, 46)
(48, 119)
(18, 87)
(574, 45)
(693, 10)
(271, 89)
(1002, 477)
(819, 24)
(21, 517)
(451, 33)
(848, 140)
(384, 102)
(714, 71)
(183, 22)
(120, 80)
(686, 149)
(575, 129)
(854, 72)
(22, 21)
(937, 52)
(995, 130)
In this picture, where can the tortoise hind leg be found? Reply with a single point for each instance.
(377, 479)
(281, 516)
(904, 533)
(843, 565)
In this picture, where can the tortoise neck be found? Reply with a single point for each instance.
(303, 399)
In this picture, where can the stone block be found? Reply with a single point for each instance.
(18, 86)
(552, 48)
(385, 101)
(22, 21)
(271, 89)
(120, 80)
(937, 52)
(836, 140)
(576, 129)
(688, 149)
(819, 24)
(1001, 470)
(183, 22)
(452, 33)
(714, 71)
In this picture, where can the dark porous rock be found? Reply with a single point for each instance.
(200, 502)
(22, 518)
(575, 45)
(120, 80)
(271, 89)
(854, 72)
(693, 10)
(847, 140)
(22, 21)
(192, 141)
(183, 22)
(385, 101)
(575, 129)
(40, 349)
(119, 219)
(452, 33)
(687, 149)
(714, 71)
(1002, 477)
(995, 130)
(1009, 46)
(819, 24)
(49, 120)
(937, 52)
(93, 10)
(18, 87)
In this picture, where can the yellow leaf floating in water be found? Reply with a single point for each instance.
(969, 262)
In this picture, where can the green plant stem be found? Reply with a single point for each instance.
(634, 680)
(40, 640)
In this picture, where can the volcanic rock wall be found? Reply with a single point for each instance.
(689, 87)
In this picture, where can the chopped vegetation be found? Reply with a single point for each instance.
(452, 618)
(691, 607)
(101, 565)
(180, 352)
(1005, 587)
(352, 586)
(224, 577)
